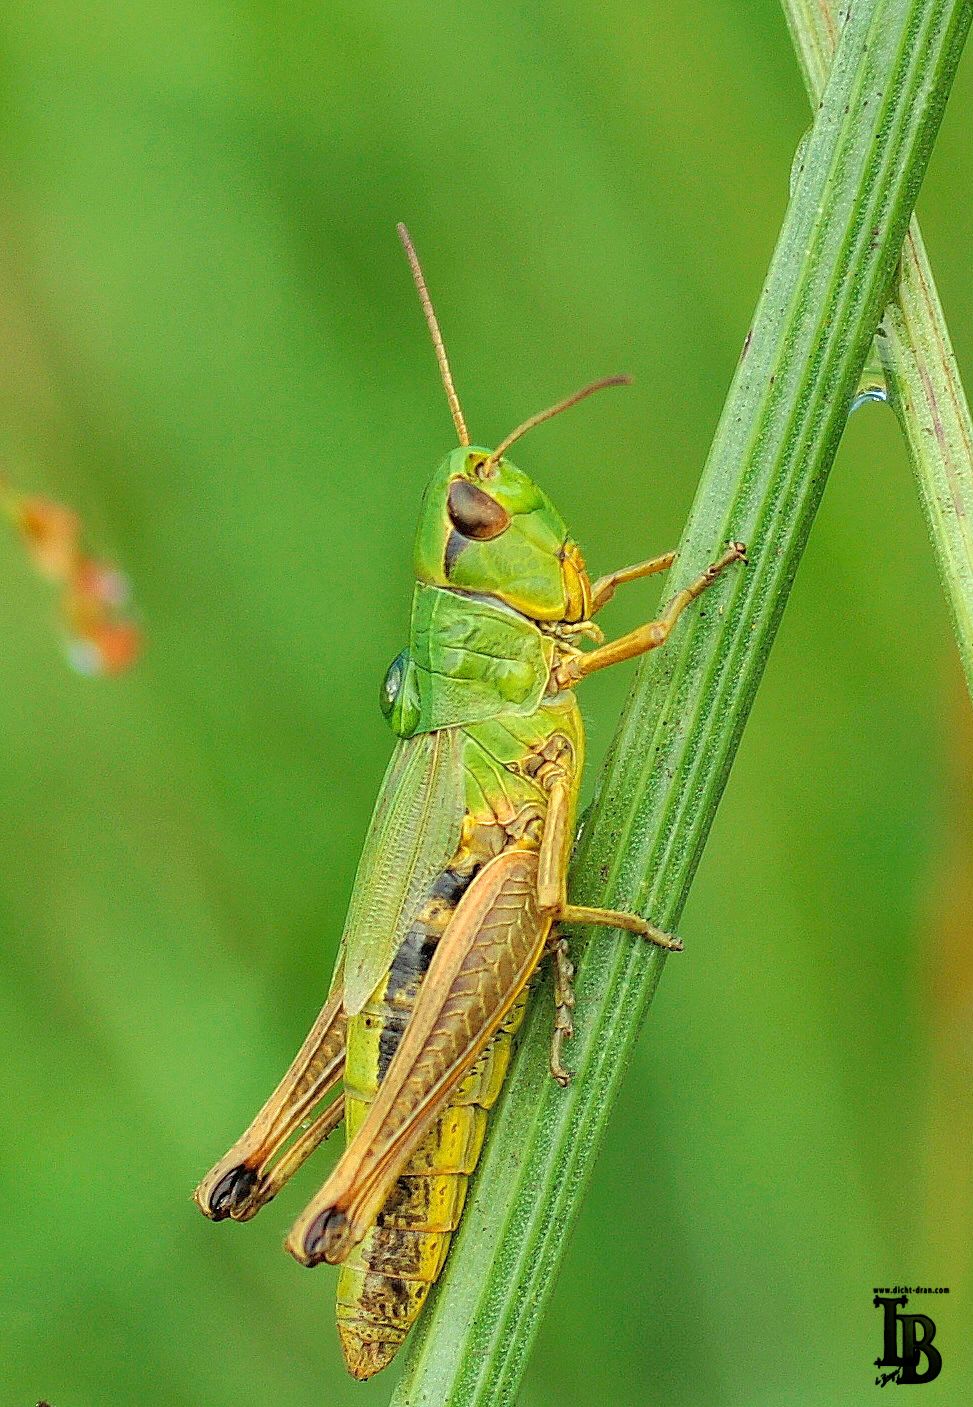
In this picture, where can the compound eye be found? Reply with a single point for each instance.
(474, 513)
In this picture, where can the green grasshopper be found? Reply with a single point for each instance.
(461, 883)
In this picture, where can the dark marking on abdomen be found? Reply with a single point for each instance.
(411, 962)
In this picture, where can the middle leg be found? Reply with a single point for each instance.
(552, 878)
(555, 854)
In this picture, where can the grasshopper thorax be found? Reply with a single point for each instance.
(486, 528)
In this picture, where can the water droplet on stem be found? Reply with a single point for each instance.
(872, 385)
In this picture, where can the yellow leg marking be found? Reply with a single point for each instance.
(563, 1007)
(604, 588)
(655, 633)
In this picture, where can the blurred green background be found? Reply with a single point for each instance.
(212, 348)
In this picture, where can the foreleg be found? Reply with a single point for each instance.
(604, 588)
(650, 636)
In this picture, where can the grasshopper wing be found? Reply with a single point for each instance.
(414, 832)
(482, 963)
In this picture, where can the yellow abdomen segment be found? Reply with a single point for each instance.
(384, 1282)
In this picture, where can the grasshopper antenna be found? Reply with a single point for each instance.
(549, 414)
(435, 334)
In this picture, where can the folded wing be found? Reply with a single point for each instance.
(414, 832)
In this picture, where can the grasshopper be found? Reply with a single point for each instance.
(460, 888)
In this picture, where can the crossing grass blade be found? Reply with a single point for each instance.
(916, 353)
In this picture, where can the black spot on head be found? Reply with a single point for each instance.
(454, 546)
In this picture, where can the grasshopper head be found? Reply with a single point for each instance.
(486, 528)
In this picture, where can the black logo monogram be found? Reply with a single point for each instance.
(918, 1332)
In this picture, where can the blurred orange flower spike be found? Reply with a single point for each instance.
(99, 640)
(51, 533)
(110, 648)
